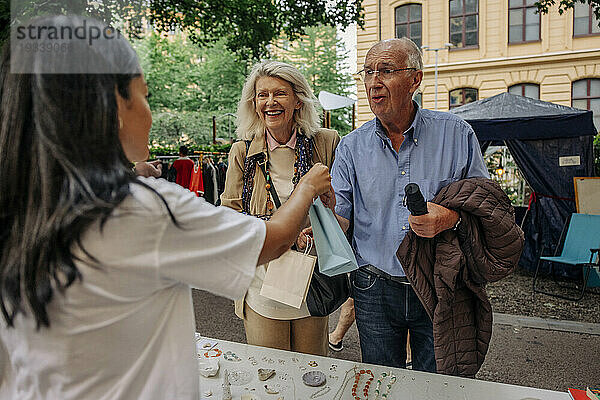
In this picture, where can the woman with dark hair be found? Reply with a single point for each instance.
(96, 263)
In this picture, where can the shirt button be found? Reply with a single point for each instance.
(415, 140)
(403, 172)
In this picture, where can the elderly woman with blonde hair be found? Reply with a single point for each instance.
(278, 122)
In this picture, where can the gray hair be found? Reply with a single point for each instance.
(307, 119)
(414, 55)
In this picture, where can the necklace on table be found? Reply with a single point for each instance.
(389, 385)
(367, 383)
(347, 377)
(320, 392)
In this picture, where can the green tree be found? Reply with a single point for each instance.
(247, 26)
(322, 58)
(544, 6)
(188, 85)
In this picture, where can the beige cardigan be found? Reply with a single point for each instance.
(325, 140)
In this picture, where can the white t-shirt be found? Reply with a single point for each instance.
(126, 331)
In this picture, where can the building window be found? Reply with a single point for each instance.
(458, 97)
(530, 90)
(586, 96)
(408, 22)
(584, 20)
(464, 23)
(523, 21)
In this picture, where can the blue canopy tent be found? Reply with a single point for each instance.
(539, 135)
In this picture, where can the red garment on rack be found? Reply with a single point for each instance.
(196, 181)
(184, 167)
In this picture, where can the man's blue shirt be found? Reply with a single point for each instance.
(369, 177)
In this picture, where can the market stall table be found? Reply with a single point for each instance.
(294, 372)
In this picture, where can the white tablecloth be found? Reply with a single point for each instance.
(291, 366)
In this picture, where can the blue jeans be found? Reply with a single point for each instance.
(385, 312)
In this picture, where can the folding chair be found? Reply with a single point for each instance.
(581, 244)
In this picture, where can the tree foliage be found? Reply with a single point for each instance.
(246, 26)
(544, 6)
(321, 57)
(188, 85)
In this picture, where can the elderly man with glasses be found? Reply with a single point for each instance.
(373, 164)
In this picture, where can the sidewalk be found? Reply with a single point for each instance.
(526, 351)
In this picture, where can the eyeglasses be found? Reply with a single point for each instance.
(384, 74)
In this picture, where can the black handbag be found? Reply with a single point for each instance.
(325, 293)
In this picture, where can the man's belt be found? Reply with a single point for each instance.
(384, 275)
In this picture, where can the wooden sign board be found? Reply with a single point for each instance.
(587, 195)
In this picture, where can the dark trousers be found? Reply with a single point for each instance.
(385, 312)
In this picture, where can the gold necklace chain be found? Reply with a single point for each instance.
(347, 378)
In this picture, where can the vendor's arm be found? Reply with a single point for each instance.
(437, 220)
(284, 226)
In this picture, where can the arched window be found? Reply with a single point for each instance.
(464, 23)
(584, 20)
(523, 21)
(461, 96)
(530, 90)
(586, 95)
(408, 22)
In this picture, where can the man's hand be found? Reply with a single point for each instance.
(302, 240)
(328, 199)
(148, 169)
(437, 220)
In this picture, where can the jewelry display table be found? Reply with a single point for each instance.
(295, 371)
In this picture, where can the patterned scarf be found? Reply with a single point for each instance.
(303, 163)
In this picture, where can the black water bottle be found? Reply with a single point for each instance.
(414, 200)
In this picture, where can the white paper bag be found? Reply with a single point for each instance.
(288, 278)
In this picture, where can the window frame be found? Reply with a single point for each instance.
(450, 106)
(409, 22)
(522, 85)
(523, 7)
(588, 97)
(591, 20)
(463, 16)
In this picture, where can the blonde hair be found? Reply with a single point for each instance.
(307, 119)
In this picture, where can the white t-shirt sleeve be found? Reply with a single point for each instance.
(216, 249)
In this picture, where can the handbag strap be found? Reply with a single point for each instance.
(271, 186)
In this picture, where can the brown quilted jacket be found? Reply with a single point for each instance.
(449, 272)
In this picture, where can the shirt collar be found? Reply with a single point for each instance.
(412, 132)
(273, 144)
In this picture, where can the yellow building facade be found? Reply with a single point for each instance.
(498, 45)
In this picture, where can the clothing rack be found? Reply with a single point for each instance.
(217, 153)
(171, 157)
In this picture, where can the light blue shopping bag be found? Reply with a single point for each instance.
(333, 250)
